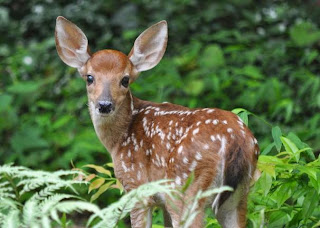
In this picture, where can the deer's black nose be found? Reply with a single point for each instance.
(105, 106)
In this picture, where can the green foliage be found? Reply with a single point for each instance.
(48, 208)
(288, 191)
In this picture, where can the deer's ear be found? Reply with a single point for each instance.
(149, 47)
(71, 43)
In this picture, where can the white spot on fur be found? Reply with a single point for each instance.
(195, 131)
(185, 160)
(185, 176)
(213, 138)
(223, 146)
(207, 121)
(129, 153)
(215, 122)
(125, 169)
(229, 130)
(139, 175)
(178, 180)
(192, 166)
(198, 123)
(180, 149)
(210, 111)
(163, 161)
(198, 156)
(206, 146)
(225, 122)
(168, 146)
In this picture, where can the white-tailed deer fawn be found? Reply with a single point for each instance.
(150, 141)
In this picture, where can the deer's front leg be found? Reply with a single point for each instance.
(141, 217)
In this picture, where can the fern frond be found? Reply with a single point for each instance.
(31, 212)
(51, 202)
(11, 170)
(116, 211)
(12, 219)
(7, 203)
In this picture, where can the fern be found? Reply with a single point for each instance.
(45, 205)
(112, 214)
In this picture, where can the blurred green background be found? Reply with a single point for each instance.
(259, 55)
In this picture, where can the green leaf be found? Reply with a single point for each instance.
(268, 168)
(212, 57)
(189, 181)
(5, 101)
(276, 134)
(270, 160)
(283, 192)
(96, 184)
(194, 87)
(99, 169)
(252, 71)
(291, 148)
(64, 120)
(268, 149)
(310, 171)
(310, 203)
(101, 190)
(119, 186)
(157, 226)
(110, 164)
(243, 114)
(278, 219)
(265, 181)
(304, 34)
(24, 87)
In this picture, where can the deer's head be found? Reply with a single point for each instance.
(108, 73)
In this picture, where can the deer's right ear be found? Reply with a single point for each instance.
(71, 43)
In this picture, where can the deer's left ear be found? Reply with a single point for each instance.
(149, 47)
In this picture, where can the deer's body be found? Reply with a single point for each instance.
(150, 141)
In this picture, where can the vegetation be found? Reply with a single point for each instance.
(260, 56)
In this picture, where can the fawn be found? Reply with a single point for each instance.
(149, 141)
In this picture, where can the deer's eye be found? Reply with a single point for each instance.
(125, 81)
(90, 79)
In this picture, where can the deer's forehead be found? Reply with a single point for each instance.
(108, 63)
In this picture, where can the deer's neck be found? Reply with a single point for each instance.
(111, 129)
